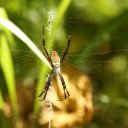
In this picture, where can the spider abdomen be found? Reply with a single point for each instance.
(56, 70)
(55, 59)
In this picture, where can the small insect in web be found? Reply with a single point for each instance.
(55, 62)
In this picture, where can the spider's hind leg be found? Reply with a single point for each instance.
(66, 93)
(48, 83)
(45, 94)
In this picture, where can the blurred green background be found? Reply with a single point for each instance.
(99, 48)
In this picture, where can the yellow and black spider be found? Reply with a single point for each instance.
(55, 62)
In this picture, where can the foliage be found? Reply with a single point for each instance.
(99, 48)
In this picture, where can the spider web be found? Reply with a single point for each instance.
(26, 59)
(96, 63)
(93, 61)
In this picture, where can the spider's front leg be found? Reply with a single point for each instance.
(66, 93)
(45, 50)
(48, 83)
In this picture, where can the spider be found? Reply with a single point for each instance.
(55, 62)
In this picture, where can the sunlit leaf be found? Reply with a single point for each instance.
(8, 33)
(1, 101)
(21, 35)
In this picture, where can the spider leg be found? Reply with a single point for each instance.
(46, 87)
(46, 52)
(66, 51)
(45, 55)
(66, 93)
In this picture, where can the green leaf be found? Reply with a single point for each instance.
(8, 33)
(8, 70)
(7, 66)
(1, 101)
(21, 35)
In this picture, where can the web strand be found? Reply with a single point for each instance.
(50, 106)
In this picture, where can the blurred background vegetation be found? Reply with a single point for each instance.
(99, 49)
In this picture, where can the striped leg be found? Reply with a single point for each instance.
(46, 52)
(66, 93)
(47, 87)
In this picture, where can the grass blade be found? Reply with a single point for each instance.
(8, 70)
(21, 35)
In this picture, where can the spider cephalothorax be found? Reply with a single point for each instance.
(55, 62)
